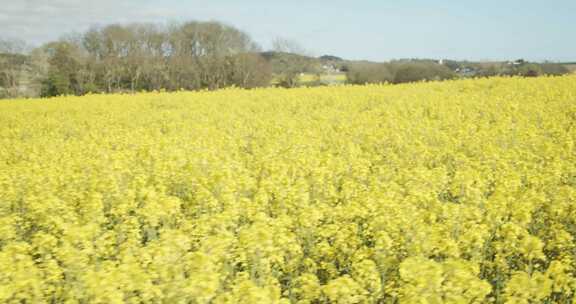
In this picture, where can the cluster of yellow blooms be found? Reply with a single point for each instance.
(442, 192)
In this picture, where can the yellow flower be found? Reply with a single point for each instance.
(441, 192)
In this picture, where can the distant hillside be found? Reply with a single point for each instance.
(330, 58)
(282, 61)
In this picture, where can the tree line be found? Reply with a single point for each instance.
(139, 57)
(411, 70)
(203, 55)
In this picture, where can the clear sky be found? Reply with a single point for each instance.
(353, 29)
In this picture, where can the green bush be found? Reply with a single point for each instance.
(369, 73)
(411, 71)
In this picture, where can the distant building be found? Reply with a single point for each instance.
(466, 72)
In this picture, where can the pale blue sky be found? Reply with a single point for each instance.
(360, 29)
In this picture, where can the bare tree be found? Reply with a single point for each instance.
(14, 67)
(285, 45)
(249, 70)
(13, 46)
(202, 51)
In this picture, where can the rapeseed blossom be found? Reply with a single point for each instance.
(442, 192)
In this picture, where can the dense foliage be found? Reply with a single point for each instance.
(453, 192)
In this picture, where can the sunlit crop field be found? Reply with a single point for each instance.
(443, 192)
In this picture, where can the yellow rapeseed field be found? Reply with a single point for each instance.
(442, 192)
